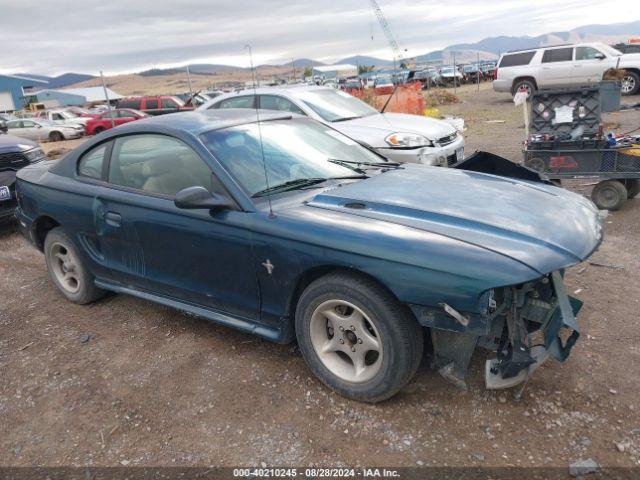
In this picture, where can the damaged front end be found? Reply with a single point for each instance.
(524, 324)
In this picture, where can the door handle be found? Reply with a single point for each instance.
(112, 218)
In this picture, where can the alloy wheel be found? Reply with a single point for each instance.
(628, 84)
(65, 268)
(346, 341)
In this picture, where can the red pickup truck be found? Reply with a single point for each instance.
(154, 104)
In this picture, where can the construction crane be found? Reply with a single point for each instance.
(386, 28)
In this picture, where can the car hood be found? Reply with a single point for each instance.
(12, 144)
(543, 227)
(373, 129)
(630, 60)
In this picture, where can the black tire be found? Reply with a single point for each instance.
(633, 187)
(58, 241)
(56, 137)
(630, 83)
(609, 195)
(399, 335)
(528, 84)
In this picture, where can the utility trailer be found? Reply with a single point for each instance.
(566, 142)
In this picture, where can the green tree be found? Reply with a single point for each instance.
(308, 72)
(364, 69)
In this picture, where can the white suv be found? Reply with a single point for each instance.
(563, 66)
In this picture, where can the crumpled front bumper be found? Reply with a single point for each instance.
(554, 321)
(525, 325)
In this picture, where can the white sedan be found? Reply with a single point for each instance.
(397, 136)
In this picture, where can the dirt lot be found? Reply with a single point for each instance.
(124, 381)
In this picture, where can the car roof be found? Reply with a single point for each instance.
(560, 45)
(199, 121)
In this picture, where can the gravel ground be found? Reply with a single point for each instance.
(128, 382)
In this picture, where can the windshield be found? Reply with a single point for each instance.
(334, 106)
(293, 149)
(610, 50)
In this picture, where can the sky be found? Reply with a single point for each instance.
(117, 36)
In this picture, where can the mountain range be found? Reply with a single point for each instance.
(60, 81)
(487, 48)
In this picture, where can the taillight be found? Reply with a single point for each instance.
(495, 73)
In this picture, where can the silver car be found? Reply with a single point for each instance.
(397, 136)
(43, 130)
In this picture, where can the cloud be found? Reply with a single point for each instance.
(130, 35)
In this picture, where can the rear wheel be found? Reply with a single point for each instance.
(356, 338)
(56, 137)
(609, 195)
(524, 84)
(67, 268)
(630, 83)
(98, 130)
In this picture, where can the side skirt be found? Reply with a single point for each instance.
(223, 319)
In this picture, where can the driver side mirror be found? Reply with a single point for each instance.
(192, 198)
(600, 56)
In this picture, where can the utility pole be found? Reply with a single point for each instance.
(189, 82)
(106, 96)
(478, 72)
(293, 64)
(455, 76)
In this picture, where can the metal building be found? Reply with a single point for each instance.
(73, 96)
(14, 89)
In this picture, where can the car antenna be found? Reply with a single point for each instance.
(255, 102)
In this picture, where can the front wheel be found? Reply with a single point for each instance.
(630, 83)
(356, 338)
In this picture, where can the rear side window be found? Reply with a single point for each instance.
(557, 55)
(274, 102)
(152, 103)
(237, 102)
(129, 104)
(516, 59)
(90, 165)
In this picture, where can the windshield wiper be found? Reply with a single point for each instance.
(368, 164)
(344, 119)
(301, 183)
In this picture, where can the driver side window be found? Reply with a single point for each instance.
(587, 53)
(157, 164)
